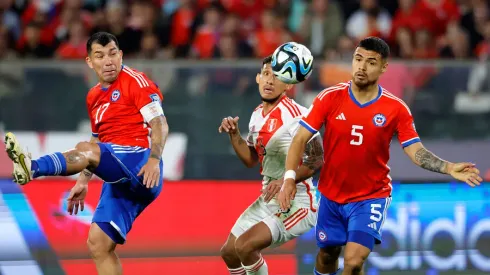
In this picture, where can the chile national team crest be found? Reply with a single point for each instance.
(271, 125)
(115, 95)
(379, 120)
(322, 236)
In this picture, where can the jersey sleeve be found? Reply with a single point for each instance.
(315, 116)
(148, 99)
(407, 134)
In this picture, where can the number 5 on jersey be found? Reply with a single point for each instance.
(101, 110)
(356, 133)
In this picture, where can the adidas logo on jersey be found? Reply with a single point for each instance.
(341, 116)
(373, 226)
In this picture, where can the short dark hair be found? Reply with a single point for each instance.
(102, 38)
(267, 60)
(375, 44)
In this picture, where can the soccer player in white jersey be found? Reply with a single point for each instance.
(271, 129)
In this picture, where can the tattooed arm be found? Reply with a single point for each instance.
(151, 170)
(426, 159)
(312, 159)
(159, 134)
(463, 171)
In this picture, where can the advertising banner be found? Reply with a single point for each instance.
(441, 228)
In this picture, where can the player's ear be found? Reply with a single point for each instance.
(289, 87)
(89, 62)
(257, 78)
(384, 66)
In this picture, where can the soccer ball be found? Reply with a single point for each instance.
(292, 63)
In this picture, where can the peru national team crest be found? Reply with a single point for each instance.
(271, 125)
(115, 95)
(379, 120)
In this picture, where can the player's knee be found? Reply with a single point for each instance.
(97, 247)
(228, 251)
(84, 146)
(329, 255)
(243, 247)
(353, 263)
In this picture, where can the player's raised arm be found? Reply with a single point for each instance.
(245, 151)
(413, 147)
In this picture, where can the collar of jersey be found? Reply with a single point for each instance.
(353, 98)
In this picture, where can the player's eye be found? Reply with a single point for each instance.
(372, 63)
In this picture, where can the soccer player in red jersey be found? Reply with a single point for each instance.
(360, 119)
(129, 131)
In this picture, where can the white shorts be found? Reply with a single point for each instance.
(283, 226)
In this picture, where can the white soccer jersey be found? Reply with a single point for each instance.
(271, 135)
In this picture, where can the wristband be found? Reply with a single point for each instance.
(290, 174)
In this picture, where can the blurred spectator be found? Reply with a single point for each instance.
(75, 47)
(181, 32)
(9, 18)
(424, 45)
(358, 24)
(149, 47)
(404, 42)
(129, 38)
(439, 12)
(5, 44)
(231, 29)
(457, 43)
(322, 26)
(482, 50)
(207, 35)
(33, 47)
(473, 21)
(251, 28)
(270, 36)
(406, 17)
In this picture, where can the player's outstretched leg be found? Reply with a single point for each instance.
(229, 255)
(327, 260)
(249, 245)
(102, 250)
(85, 155)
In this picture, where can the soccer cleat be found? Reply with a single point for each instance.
(22, 162)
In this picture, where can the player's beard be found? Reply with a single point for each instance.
(364, 84)
(271, 100)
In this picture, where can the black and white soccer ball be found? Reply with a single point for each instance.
(292, 63)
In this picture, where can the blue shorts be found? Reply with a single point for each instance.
(336, 221)
(123, 195)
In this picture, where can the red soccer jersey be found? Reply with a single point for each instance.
(115, 111)
(357, 141)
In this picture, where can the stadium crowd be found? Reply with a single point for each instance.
(416, 29)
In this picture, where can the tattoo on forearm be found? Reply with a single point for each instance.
(158, 137)
(313, 157)
(427, 160)
(87, 173)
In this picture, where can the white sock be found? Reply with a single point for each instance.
(237, 271)
(258, 268)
